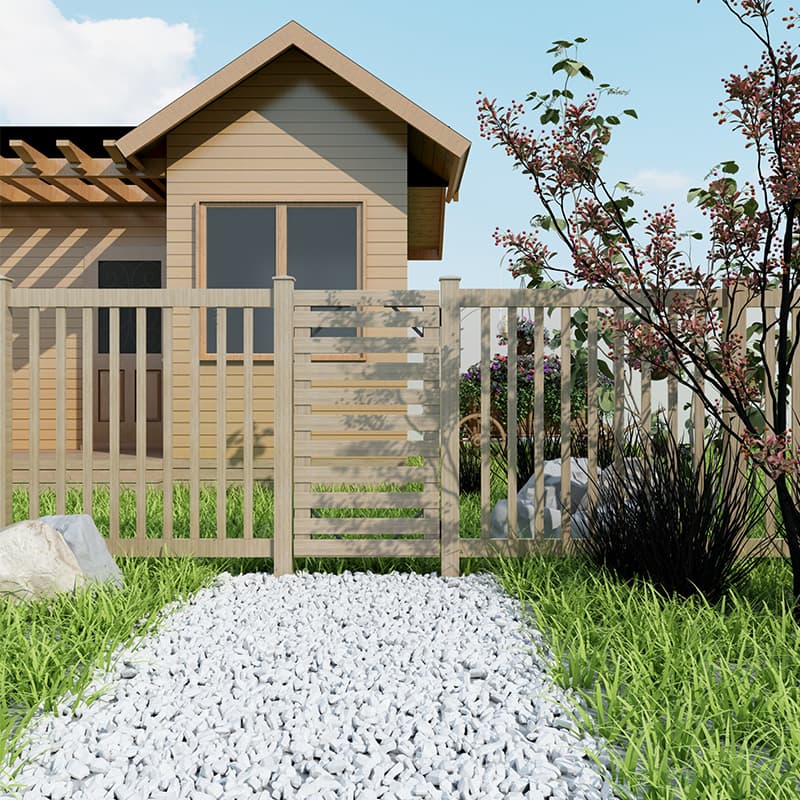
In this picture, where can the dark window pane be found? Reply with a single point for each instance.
(240, 254)
(323, 252)
(129, 275)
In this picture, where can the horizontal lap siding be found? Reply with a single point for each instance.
(293, 131)
(59, 246)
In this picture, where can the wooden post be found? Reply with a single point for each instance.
(6, 402)
(283, 301)
(450, 356)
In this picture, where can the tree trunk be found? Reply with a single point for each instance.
(791, 522)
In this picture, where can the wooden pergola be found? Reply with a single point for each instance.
(77, 177)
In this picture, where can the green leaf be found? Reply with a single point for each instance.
(697, 194)
(612, 120)
(580, 40)
(572, 68)
(605, 369)
(697, 235)
(730, 167)
(754, 329)
(562, 43)
(551, 115)
(631, 113)
(585, 71)
(750, 207)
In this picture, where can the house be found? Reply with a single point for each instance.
(292, 158)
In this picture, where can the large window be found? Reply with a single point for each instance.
(242, 250)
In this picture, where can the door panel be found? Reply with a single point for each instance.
(128, 275)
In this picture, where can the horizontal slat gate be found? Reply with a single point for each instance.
(366, 425)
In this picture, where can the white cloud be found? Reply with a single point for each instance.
(653, 180)
(115, 71)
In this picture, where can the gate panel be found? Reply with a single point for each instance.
(366, 424)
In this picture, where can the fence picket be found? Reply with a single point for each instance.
(141, 422)
(566, 425)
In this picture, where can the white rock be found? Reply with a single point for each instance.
(35, 562)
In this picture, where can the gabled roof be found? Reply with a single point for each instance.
(446, 157)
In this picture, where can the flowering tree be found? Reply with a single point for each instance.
(754, 244)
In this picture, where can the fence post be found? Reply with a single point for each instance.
(6, 402)
(283, 462)
(450, 357)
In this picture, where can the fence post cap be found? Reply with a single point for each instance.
(449, 278)
(283, 278)
(6, 278)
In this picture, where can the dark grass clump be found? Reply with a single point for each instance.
(674, 524)
(469, 467)
(526, 450)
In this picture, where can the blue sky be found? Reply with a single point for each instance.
(117, 62)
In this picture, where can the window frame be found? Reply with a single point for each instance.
(281, 244)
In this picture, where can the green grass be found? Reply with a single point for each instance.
(695, 701)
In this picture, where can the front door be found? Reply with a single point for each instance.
(128, 275)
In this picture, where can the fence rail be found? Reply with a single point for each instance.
(347, 421)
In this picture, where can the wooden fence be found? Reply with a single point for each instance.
(341, 430)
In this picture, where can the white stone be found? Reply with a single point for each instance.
(54, 554)
(88, 546)
(35, 561)
(526, 502)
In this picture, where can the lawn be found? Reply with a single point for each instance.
(696, 701)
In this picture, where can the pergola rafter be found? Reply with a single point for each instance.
(77, 177)
(39, 190)
(12, 194)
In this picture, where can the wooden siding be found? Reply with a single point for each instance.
(425, 222)
(51, 246)
(293, 131)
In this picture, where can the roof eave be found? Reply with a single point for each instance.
(294, 34)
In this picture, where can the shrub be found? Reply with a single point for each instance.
(677, 525)
(470, 389)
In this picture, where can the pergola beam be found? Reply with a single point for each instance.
(118, 190)
(76, 188)
(78, 159)
(61, 168)
(11, 194)
(34, 160)
(153, 187)
(111, 148)
(39, 190)
(148, 187)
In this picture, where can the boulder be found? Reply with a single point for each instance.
(88, 546)
(526, 502)
(53, 554)
(36, 561)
